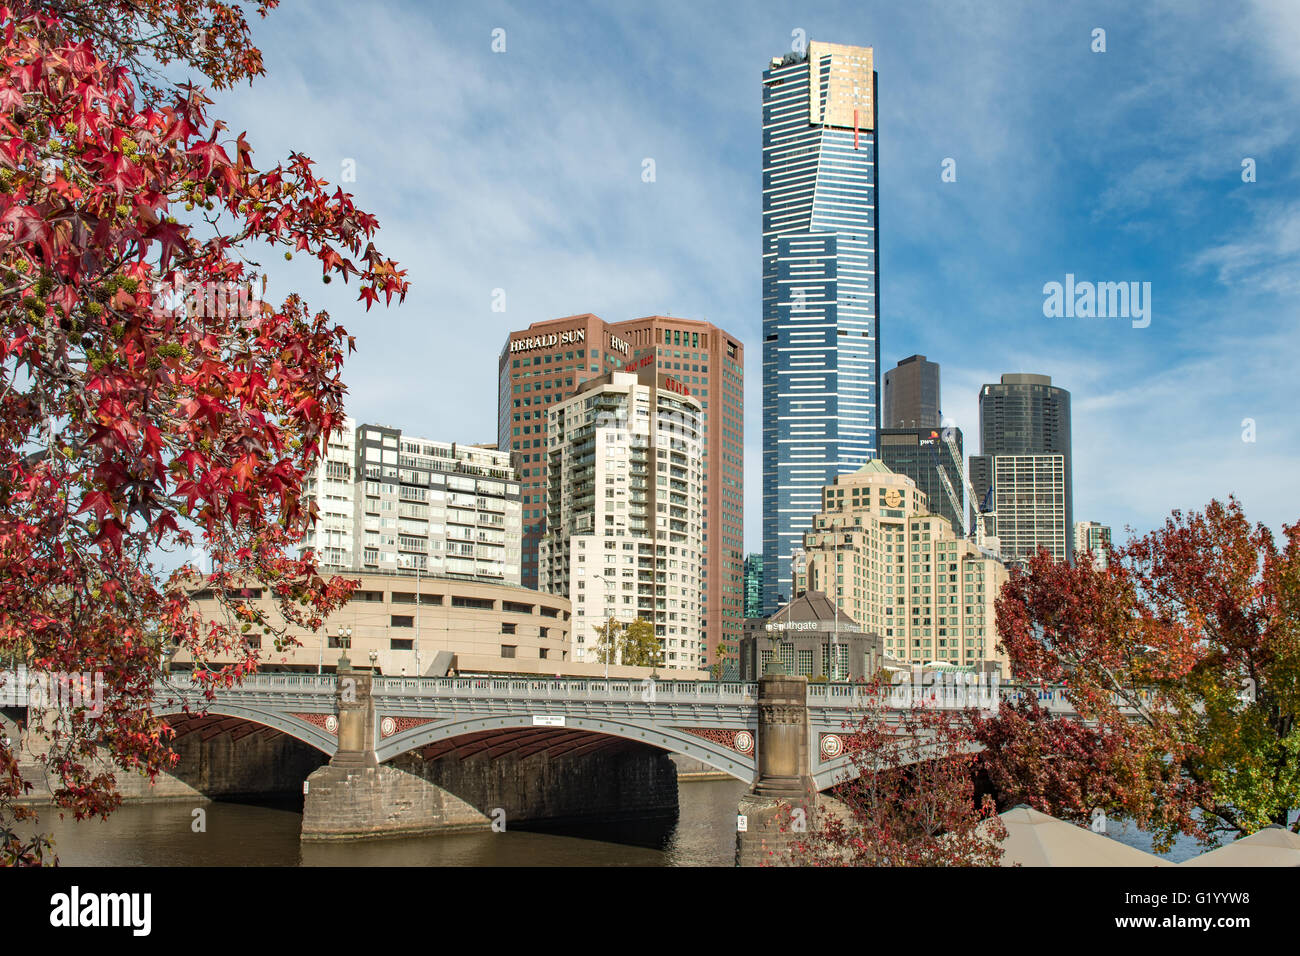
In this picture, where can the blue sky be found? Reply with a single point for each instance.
(521, 171)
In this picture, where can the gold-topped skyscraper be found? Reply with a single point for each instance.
(821, 316)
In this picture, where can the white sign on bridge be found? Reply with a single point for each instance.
(548, 720)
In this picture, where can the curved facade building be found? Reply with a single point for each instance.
(425, 625)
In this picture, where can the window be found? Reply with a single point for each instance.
(507, 628)
(400, 644)
(508, 650)
(403, 620)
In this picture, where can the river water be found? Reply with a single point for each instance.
(236, 834)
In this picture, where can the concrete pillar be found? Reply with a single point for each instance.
(356, 712)
(355, 797)
(783, 794)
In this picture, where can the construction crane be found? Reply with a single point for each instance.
(980, 532)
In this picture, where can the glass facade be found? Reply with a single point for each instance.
(1025, 457)
(920, 453)
(821, 350)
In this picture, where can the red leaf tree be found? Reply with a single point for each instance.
(1183, 659)
(911, 800)
(149, 398)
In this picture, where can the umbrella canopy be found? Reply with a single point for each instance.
(1272, 846)
(1035, 839)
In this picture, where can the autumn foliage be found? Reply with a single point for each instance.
(910, 799)
(150, 399)
(1183, 659)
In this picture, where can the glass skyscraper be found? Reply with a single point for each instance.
(1025, 458)
(821, 324)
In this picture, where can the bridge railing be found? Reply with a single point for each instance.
(297, 683)
(568, 689)
(981, 696)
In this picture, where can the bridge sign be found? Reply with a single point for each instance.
(548, 720)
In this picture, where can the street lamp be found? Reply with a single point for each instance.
(609, 626)
(374, 656)
(345, 642)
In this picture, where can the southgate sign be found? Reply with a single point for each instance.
(532, 342)
(800, 626)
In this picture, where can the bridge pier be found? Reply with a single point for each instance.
(355, 797)
(783, 796)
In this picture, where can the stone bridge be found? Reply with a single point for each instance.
(409, 755)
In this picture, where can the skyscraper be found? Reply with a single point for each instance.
(821, 344)
(624, 523)
(920, 453)
(1025, 457)
(545, 363)
(912, 394)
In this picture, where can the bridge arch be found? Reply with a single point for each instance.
(664, 737)
(288, 724)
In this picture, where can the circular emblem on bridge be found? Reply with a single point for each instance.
(388, 726)
(745, 742)
(832, 746)
(331, 724)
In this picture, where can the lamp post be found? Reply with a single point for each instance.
(609, 626)
(374, 656)
(418, 671)
(835, 610)
(345, 642)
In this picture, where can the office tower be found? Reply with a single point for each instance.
(625, 510)
(912, 394)
(821, 344)
(388, 502)
(753, 585)
(1095, 537)
(920, 453)
(545, 362)
(900, 571)
(1025, 457)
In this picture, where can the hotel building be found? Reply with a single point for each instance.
(625, 511)
(544, 363)
(821, 318)
(388, 502)
(899, 570)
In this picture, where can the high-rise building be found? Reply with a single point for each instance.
(388, 502)
(821, 325)
(625, 510)
(547, 361)
(920, 453)
(1095, 537)
(912, 394)
(899, 570)
(753, 585)
(1025, 458)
